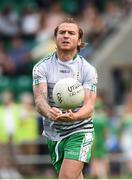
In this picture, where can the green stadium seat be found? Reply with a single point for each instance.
(22, 84)
(5, 83)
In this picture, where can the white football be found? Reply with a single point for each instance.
(68, 93)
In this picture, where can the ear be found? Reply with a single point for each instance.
(79, 42)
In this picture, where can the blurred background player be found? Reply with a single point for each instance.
(126, 132)
(99, 165)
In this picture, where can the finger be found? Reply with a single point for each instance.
(54, 113)
(61, 116)
(58, 118)
(63, 119)
(57, 110)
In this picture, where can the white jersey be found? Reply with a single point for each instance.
(50, 70)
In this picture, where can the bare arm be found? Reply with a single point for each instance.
(84, 112)
(41, 103)
(87, 109)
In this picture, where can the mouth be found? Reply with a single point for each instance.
(65, 43)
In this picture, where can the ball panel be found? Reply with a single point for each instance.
(68, 93)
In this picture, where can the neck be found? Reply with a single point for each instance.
(66, 55)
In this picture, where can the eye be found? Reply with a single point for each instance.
(61, 32)
(72, 33)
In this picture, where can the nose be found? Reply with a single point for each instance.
(66, 34)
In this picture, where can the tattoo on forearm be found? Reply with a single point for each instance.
(39, 107)
(41, 102)
(44, 94)
(39, 91)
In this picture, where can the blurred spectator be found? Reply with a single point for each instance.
(99, 30)
(99, 164)
(94, 26)
(9, 22)
(126, 135)
(43, 34)
(8, 126)
(44, 37)
(55, 16)
(19, 53)
(9, 118)
(113, 136)
(43, 49)
(127, 7)
(6, 65)
(27, 132)
(28, 119)
(8, 169)
(30, 21)
(87, 20)
(113, 15)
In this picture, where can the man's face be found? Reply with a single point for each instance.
(67, 37)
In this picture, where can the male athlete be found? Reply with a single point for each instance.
(69, 134)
